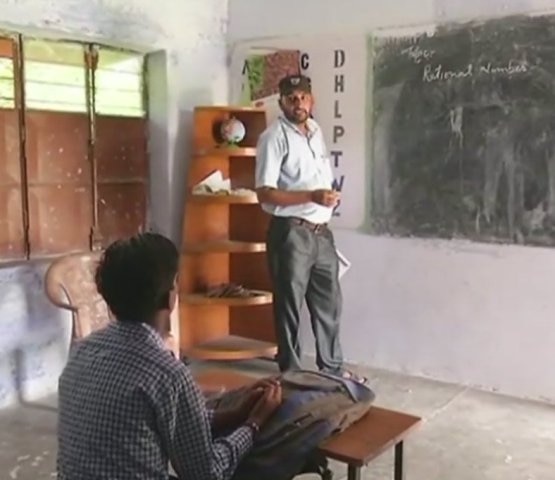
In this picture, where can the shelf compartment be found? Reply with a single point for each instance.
(223, 199)
(262, 298)
(232, 347)
(223, 246)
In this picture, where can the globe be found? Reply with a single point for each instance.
(232, 131)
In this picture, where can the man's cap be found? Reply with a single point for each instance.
(291, 83)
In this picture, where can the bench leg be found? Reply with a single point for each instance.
(399, 469)
(354, 472)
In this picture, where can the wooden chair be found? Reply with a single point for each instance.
(69, 284)
(375, 433)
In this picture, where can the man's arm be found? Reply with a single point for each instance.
(223, 420)
(283, 198)
(270, 152)
(184, 425)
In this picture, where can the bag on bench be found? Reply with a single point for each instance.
(315, 406)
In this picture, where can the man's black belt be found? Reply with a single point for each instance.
(315, 227)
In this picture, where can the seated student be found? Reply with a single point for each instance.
(127, 407)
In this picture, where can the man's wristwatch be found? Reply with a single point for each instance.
(254, 427)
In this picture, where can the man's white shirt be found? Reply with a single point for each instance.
(287, 159)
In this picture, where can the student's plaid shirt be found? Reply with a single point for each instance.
(127, 408)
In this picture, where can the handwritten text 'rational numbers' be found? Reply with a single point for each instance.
(437, 73)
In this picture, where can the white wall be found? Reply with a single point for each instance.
(480, 315)
(192, 34)
(258, 19)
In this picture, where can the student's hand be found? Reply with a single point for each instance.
(228, 418)
(264, 383)
(327, 198)
(244, 409)
(252, 395)
(266, 405)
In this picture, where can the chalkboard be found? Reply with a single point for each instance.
(464, 132)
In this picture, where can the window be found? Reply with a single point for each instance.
(7, 90)
(12, 227)
(55, 76)
(121, 148)
(119, 84)
(73, 152)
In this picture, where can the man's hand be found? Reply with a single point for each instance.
(252, 396)
(264, 383)
(266, 405)
(232, 418)
(327, 198)
(247, 404)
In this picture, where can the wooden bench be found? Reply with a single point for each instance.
(378, 431)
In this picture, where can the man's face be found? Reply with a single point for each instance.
(296, 106)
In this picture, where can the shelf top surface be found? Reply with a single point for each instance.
(225, 246)
(229, 108)
(224, 198)
(226, 150)
(233, 347)
(260, 298)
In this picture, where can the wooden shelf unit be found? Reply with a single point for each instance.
(225, 246)
(223, 241)
(223, 199)
(261, 298)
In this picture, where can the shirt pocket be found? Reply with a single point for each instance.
(292, 169)
(324, 168)
(321, 157)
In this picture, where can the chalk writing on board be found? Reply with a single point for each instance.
(434, 73)
(464, 132)
(417, 54)
(511, 68)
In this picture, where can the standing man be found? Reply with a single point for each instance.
(294, 184)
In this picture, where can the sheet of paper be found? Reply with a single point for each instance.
(215, 181)
(344, 264)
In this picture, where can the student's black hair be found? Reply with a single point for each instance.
(136, 275)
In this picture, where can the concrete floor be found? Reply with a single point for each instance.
(466, 435)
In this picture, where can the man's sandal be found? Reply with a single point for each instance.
(353, 376)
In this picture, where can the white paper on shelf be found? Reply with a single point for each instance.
(215, 181)
(344, 264)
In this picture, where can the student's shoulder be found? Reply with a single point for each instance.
(170, 367)
(91, 341)
(176, 376)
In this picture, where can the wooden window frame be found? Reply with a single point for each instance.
(91, 53)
